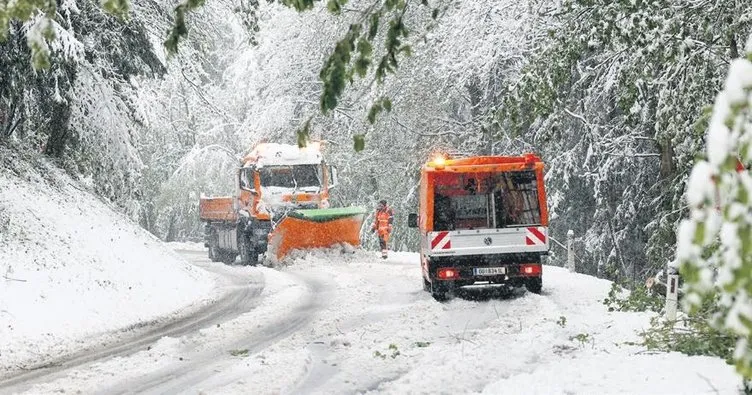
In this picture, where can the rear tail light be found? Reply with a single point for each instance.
(532, 269)
(448, 273)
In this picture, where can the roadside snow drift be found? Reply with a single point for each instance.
(72, 269)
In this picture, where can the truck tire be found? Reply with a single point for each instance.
(534, 285)
(228, 257)
(426, 285)
(248, 253)
(214, 254)
(439, 292)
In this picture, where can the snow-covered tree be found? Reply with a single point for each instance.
(79, 109)
(193, 117)
(441, 96)
(715, 243)
(612, 101)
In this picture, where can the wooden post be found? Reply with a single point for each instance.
(570, 250)
(672, 293)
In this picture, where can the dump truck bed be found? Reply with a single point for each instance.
(217, 209)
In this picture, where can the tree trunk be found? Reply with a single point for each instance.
(733, 50)
(171, 231)
(59, 129)
(667, 159)
(10, 119)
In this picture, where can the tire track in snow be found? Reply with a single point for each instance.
(207, 372)
(241, 295)
(400, 312)
(377, 300)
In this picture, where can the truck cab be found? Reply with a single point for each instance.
(277, 178)
(482, 220)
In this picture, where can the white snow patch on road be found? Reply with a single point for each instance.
(72, 270)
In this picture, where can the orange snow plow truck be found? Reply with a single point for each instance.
(281, 204)
(482, 220)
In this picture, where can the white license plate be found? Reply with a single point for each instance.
(489, 271)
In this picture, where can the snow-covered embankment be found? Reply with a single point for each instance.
(72, 269)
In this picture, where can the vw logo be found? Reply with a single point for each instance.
(488, 241)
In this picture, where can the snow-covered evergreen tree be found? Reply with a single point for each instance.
(612, 100)
(80, 109)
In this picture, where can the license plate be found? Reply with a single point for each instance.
(489, 271)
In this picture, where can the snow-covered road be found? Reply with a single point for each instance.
(328, 323)
(242, 290)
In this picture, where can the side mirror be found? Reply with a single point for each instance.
(245, 179)
(332, 177)
(412, 220)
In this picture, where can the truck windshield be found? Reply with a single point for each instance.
(486, 200)
(300, 176)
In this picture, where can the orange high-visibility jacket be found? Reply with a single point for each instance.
(382, 223)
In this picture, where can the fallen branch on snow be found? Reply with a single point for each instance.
(13, 279)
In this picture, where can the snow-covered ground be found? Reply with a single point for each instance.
(332, 323)
(382, 333)
(72, 270)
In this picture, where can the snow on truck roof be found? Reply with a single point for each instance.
(273, 154)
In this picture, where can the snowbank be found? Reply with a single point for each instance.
(72, 269)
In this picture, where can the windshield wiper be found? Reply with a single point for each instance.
(294, 181)
(320, 182)
(307, 187)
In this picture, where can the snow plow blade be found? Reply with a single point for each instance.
(316, 228)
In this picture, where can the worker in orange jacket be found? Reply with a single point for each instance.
(382, 224)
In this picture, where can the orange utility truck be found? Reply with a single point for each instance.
(281, 204)
(482, 220)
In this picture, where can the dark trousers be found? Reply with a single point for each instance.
(382, 243)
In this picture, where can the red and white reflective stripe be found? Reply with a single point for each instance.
(535, 236)
(441, 241)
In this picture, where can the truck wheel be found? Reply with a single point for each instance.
(534, 285)
(426, 285)
(211, 244)
(439, 292)
(248, 253)
(229, 257)
(439, 296)
(214, 254)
